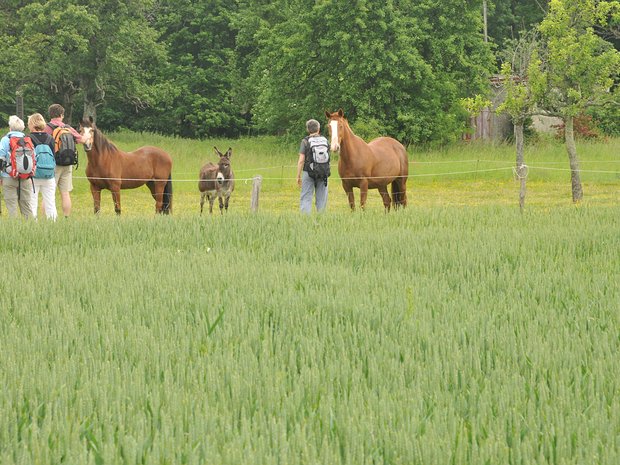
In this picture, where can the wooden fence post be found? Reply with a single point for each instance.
(522, 175)
(256, 185)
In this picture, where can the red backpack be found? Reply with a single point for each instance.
(22, 163)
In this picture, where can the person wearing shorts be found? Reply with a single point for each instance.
(64, 174)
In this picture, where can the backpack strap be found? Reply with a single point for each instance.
(307, 153)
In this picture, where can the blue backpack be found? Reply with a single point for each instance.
(46, 163)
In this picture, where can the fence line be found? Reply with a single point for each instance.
(547, 168)
(414, 175)
(295, 178)
(416, 162)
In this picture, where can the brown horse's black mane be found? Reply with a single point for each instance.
(102, 141)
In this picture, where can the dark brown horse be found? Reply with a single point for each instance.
(371, 165)
(112, 169)
(217, 181)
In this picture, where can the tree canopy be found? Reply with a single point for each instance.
(230, 67)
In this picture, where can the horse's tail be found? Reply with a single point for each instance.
(166, 207)
(398, 194)
(399, 185)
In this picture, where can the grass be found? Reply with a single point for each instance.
(458, 330)
(459, 335)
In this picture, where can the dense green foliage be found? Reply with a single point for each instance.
(452, 335)
(576, 67)
(509, 19)
(213, 68)
(228, 67)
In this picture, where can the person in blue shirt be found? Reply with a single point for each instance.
(44, 180)
(16, 193)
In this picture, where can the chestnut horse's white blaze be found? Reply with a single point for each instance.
(87, 138)
(335, 144)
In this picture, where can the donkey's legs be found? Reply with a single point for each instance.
(211, 198)
(202, 200)
(96, 193)
(223, 201)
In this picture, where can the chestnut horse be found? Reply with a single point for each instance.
(112, 169)
(371, 165)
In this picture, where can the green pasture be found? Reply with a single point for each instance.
(434, 335)
(463, 174)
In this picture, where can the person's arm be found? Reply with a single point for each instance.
(4, 150)
(5, 147)
(76, 135)
(300, 167)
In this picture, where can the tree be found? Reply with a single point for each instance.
(474, 106)
(576, 69)
(200, 36)
(509, 19)
(88, 49)
(519, 102)
(404, 63)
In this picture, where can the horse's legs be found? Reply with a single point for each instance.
(159, 195)
(96, 193)
(349, 190)
(403, 193)
(386, 197)
(363, 193)
(157, 191)
(399, 193)
(401, 188)
(116, 197)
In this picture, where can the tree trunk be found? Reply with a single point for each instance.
(521, 168)
(90, 109)
(67, 104)
(571, 148)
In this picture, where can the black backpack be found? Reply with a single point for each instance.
(65, 150)
(317, 158)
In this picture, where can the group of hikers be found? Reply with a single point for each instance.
(38, 162)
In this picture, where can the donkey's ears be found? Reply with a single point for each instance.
(229, 152)
(218, 152)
